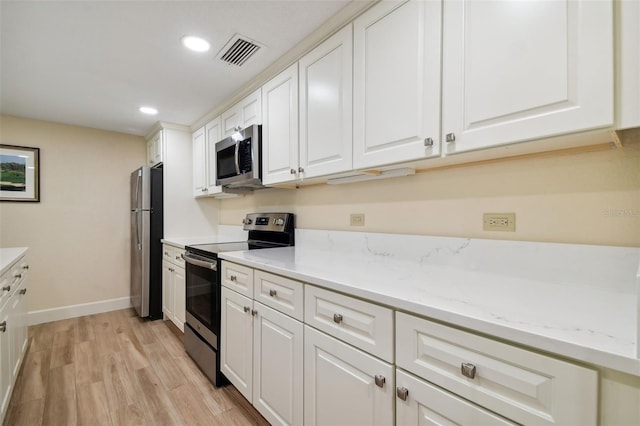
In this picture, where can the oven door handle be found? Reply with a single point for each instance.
(196, 260)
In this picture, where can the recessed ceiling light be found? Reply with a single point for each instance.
(196, 44)
(148, 110)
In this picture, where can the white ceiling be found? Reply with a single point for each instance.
(93, 63)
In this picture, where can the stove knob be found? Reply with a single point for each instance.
(278, 221)
(247, 221)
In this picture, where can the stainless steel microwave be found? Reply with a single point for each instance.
(239, 159)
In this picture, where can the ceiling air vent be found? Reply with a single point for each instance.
(238, 50)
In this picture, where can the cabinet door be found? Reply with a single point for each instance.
(426, 404)
(277, 366)
(154, 149)
(505, 80)
(340, 386)
(5, 361)
(199, 163)
(179, 297)
(396, 92)
(627, 19)
(18, 329)
(326, 77)
(251, 109)
(212, 137)
(167, 290)
(236, 341)
(280, 127)
(243, 114)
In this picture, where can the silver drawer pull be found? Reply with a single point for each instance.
(428, 142)
(451, 137)
(254, 312)
(25, 267)
(23, 291)
(272, 293)
(337, 318)
(468, 370)
(166, 253)
(233, 278)
(6, 288)
(17, 276)
(380, 380)
(177, 257)
(3, 326)
(247, 309)
(402, 393)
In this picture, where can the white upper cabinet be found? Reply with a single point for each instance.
(212, 136)
(199, 163)
(243, 114)
(521, 70)
(326, 141)
(280, 127)
(154, 149)
(396, 93)
(204, 161)
(627, 63)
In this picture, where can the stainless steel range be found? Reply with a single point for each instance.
(203, 278)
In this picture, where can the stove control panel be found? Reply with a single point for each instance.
(279, 222)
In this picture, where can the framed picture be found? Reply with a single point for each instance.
(19, 173)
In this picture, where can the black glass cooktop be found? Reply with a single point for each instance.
(211, 250)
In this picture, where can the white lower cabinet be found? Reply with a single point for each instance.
(523, 386)
(345, 365)
(174, 286)
(262, 356)
(344, 385)
(13, 328)
(420, 403)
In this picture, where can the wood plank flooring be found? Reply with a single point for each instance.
(117, 369)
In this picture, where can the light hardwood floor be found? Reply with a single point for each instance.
(117, 369)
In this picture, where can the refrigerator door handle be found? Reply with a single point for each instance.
(138, 230)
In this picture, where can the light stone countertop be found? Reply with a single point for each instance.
(576, 301)
(8, 257)
(225, 234)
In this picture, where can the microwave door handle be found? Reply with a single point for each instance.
(236, 157)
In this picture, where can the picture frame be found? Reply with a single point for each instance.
(19, 173)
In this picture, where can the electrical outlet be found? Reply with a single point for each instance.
(357, 219)
(499, 222)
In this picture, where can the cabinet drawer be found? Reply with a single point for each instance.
(177, 256)
(523, 386)
(363, 324)
(427, 404)
(282, 294)
(173, 254)
(167, 252)
(238, 278)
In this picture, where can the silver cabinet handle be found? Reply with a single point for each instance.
(23, 291)
(166, 253)
(18, 276)
(247, 309)
(292, 171)
(254, 312)
(428, 142)
(300, 169)
(402, 393)
(3, 326)
(25, 267)
(468, 370)
(177, 257)
(379, 380)
(6, 288)
(272, 293)
(337, 318)
(233, 278)
(451, 137)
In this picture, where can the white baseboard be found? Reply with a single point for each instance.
(74, 311)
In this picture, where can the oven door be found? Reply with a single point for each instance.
(203, 296)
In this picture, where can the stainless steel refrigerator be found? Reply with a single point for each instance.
(146, 245)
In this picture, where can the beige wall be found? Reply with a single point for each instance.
(590, 198)
(78, 235)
